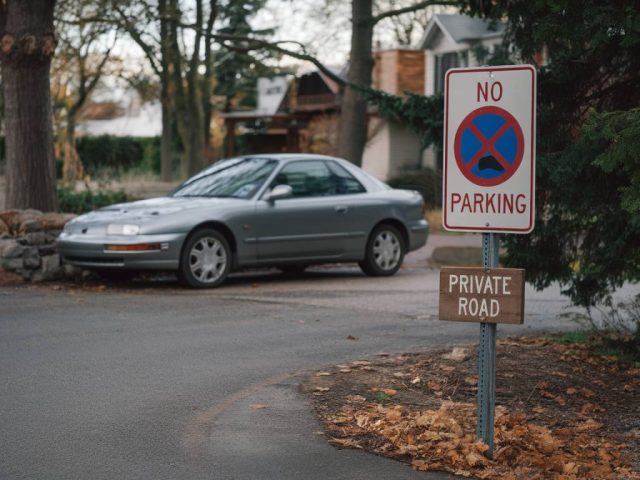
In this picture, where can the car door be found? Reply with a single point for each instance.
(310, 224)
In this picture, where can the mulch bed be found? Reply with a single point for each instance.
(562, 412)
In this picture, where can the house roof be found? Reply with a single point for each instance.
(460, 28)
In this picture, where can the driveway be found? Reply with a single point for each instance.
(156, 382)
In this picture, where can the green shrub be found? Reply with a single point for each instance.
(82, 202)
(426, 181)
(116, 155)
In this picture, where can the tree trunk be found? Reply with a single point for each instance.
(28, 43)
(166, 149)
(72, 168)
(353, 117)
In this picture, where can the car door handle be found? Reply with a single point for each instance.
(341, 209)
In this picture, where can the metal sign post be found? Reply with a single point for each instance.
(488, 187)
(487, 356)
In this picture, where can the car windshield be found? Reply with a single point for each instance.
(238, 179)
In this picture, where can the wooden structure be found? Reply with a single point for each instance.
(309, 96)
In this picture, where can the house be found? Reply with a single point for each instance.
(307, 118)
(454, 41)
(289, 122)
(392, 147)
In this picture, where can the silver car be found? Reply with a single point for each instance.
(288, 211)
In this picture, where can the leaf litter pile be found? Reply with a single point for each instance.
(561, 413)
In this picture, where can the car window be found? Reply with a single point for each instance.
(240, 179)
(306, 179)
(344, 182)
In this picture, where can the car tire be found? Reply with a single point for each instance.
(384, 252)
(205, 260)
(292, 269)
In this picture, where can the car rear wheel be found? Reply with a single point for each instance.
(205, 260)
(384, 252)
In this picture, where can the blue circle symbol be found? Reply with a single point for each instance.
(489, 146)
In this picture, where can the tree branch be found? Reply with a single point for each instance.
(413, 8)
(135, 35)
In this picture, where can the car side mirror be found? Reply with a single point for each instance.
(279, 192)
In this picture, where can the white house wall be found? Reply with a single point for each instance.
(404, 149)
(376, 156)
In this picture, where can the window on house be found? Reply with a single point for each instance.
(446, 61)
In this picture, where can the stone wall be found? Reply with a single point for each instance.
(27, 245)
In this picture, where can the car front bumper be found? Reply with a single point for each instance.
(90, 251)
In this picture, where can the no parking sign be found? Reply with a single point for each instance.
(489, 149)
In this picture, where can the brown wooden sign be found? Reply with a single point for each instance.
(476, 294)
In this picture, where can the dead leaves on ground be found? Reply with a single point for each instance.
(420, 409)
(444, 439)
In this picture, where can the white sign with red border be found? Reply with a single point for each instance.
(489, 149)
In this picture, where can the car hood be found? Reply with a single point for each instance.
(147, 210)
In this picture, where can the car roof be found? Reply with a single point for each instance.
(293, 156)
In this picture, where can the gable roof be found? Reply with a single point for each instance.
(460, 28)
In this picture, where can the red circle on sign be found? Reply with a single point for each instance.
(489, 145)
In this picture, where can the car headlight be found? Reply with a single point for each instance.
(115, 229)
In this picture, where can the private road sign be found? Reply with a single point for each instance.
(489, 156)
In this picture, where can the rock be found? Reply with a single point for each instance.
(38, 276)
(4, 228)
(25, 274)
(47, 249)
(36, 238)
(11, 218)
(10, 249)
(12, 264)
(51, 264)
(31, 258)
(29, 225)
(70, 271)
(55, 221)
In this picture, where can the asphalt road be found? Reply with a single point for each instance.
(157, 382)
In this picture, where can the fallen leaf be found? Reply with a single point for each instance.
(415, 381)
(389, 391)
(355, 398)
(258, 406)
(322, 389)
(586, 392)
(571, 391)
(323, 374)
(481, 446)
(458, 354)
(345, 442)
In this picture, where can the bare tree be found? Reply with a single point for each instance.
(83, 53)
(185, 91)
(27, 46)
(353, 118)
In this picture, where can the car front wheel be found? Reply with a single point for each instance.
(205, 260)
(384, 252)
